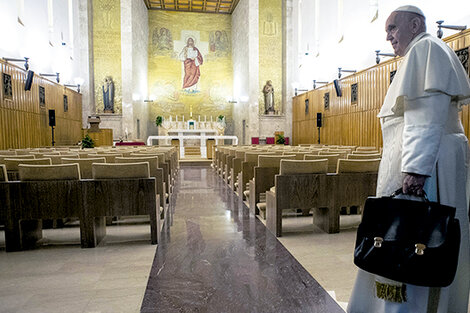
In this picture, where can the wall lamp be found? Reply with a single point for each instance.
(317, 82)
(378, 55)
(25, 60)
(296, 90)
(56, 75)
(74, 86)
(440, 33)
(340, 70)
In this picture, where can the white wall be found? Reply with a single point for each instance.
(49, 50)
(361, 37)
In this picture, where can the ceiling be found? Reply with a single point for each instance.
(201, 6)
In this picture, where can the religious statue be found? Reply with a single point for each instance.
(108, 94)
(268, 91)
(192, 59)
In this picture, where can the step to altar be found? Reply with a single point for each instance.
(192, 151)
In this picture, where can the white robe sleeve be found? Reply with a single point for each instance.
(425, 120)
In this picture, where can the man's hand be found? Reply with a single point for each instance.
(413, 184)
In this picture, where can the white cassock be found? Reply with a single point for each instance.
(422, 134)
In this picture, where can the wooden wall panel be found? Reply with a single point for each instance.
(24, 123)
(356, 124)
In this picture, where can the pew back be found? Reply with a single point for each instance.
(85, 165)
(28, 172)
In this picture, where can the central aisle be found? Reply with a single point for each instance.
(218, 258)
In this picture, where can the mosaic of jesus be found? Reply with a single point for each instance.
(192, 59)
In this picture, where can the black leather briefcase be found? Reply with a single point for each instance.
(408, 241)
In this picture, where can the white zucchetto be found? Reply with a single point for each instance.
(409, 8)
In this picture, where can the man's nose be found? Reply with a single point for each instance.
(389, 37)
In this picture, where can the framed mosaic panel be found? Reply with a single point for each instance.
(392, 75)
(463, 57)
(326, 100)
(354, 93)
(66, 103)
(42, 96)
(7, 86)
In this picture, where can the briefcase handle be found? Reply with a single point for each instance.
(400, 191)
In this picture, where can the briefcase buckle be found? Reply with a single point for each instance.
(419, 248)
(378, 242)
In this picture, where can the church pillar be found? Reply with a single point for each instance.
(245, 59)
(288, 65)
(134, 46)
(253, 110)
(127, 126)
(85, 57)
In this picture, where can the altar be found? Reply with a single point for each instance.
(192, 134)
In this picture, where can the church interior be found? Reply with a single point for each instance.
(153, 153)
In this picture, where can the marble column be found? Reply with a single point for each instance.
(134, 46)
(126, 68)
(253, 78)
(85, 58)
(289, 57)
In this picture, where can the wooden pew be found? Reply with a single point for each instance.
(325, 193)
(163, 165)
(89, 200)
(156, 172)
(236, 168)
(247, 171)
(228, 165)
(263, 177)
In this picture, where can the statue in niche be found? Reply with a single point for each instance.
(108, 94)
(268, 91)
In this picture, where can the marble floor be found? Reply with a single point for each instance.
(61, 277)
(218, 258)
(215, 252)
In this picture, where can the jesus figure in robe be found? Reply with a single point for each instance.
(192, 59)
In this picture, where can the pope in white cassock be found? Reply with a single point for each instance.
(425, 148)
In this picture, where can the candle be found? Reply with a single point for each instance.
(171, 118)
(211, 118)
(205, 118)
(176, 118)
(183, 118)
(199, 118)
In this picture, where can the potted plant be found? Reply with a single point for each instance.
(159, 120)
(220, 118)
(280, 140)
(87, 142)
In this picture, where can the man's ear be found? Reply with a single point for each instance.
(415, 24)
